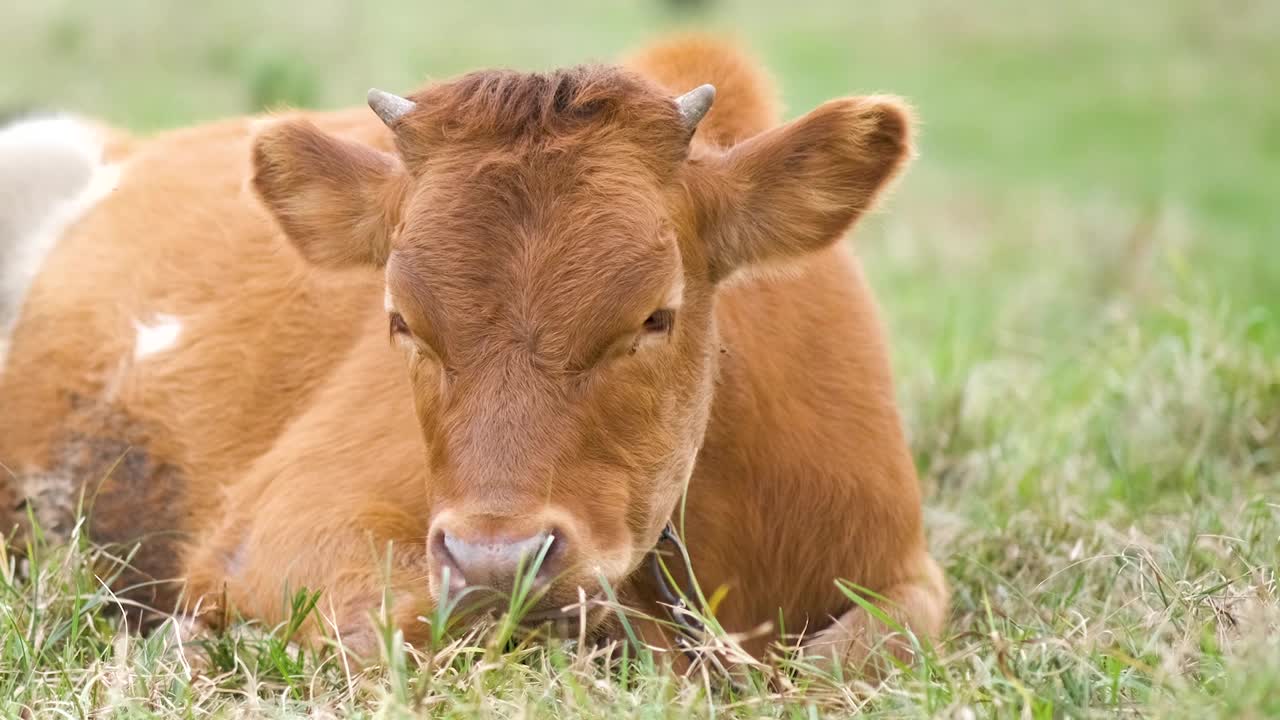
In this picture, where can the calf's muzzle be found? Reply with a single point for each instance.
(493, 554)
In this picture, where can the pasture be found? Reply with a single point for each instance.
(1083, 296)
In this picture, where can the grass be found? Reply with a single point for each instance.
(1080, 283)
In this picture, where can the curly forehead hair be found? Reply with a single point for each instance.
(542, 110)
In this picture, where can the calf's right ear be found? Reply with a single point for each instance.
(338, 201)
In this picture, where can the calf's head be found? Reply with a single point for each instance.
(552, 245)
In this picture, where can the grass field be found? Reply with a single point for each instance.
(1081, 276)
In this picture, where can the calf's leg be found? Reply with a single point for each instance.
(858, 637)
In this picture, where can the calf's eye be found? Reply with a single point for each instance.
(659, 323)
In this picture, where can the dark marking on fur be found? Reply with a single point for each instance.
(133, 502)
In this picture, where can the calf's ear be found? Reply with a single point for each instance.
(337, 200)
(798, 188)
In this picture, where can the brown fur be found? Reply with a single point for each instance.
(526, 226)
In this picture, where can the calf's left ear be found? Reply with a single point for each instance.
(336, 200)
(798, 188)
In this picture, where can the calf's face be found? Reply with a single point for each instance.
(552, 245)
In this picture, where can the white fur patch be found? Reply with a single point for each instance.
(51, 173)
(160, 334)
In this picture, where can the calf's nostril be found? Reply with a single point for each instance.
(553, 556)
(445, 566)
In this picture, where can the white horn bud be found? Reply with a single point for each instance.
(389, 107)
(694, 104)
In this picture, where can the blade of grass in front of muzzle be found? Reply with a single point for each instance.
(523, 597)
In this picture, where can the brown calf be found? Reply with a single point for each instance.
(601, 299)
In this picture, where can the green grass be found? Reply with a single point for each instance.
(1079, 275)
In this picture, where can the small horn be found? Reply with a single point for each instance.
(389, 107)
(694, 104)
